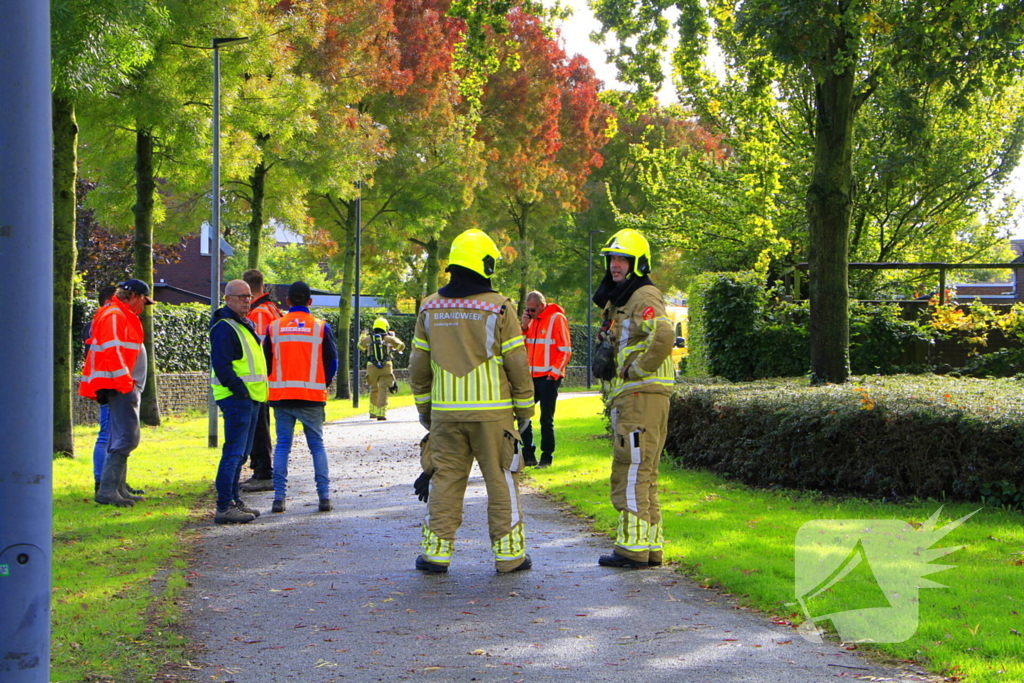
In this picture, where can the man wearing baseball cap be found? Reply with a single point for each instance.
(115, 375)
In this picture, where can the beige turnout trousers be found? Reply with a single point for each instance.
(639, 425)
(452, 448)
(380, 380)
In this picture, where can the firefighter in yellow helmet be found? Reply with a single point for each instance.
(470, 376)
(379, 344)
(642, 378)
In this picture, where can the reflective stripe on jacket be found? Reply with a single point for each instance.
(644, 337)
(114, 346)
(468, 361)
(547, 343)
(251, 368)
(262, 315)
(298, 371)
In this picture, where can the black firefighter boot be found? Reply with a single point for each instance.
(114, 469)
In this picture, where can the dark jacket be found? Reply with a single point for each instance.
(328, 356)
(225, 348)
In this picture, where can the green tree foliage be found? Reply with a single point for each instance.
(152, 131)
(272, 121)
(95, 44)
(839, 55)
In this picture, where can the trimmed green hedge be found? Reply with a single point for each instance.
(182, 335)
(881, 437)
(740, 331)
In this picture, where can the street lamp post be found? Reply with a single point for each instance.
(359, 293)
(590, 300)
(217, 43)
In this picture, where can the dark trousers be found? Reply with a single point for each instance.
(261, 459)
(239, 426)
(545, 393)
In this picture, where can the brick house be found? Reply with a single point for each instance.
(188, 280)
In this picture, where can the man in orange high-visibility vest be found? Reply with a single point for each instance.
(548, 347)
(115, 375)
(301, 358)
(262, 312)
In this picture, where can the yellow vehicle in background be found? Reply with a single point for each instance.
(679, 315)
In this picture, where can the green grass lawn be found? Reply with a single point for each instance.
(742, 541)
(117, 573)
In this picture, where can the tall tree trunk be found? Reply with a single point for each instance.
(432, 269)
(145, 190)
(829, 207)
(258, 181)
(65, 255)
(524, 258)
(345, 308)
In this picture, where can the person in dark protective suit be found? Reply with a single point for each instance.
(643, 380)
(470, 376)
(379, 344)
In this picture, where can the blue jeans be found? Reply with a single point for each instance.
(240, 417)
(99, 451)
(312, 419)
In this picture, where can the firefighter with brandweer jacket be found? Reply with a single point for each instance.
(470, 376)
(639, 396)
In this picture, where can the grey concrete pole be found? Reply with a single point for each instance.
(26, 364)
(211, 440)
(358, 283)
(216, 43)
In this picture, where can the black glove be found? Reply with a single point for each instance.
(603, 361)
(393, 389)
(422, 486)
(103, 396)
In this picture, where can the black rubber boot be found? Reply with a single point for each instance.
(114, 469)
(124, 490)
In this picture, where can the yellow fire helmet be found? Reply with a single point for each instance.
(380, 323)
(631, 244)
(473, 249)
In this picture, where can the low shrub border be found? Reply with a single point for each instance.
(737, 540)
(889, 438)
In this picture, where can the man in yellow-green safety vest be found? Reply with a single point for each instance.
(643, 379)
(239, 379)
(470, 376)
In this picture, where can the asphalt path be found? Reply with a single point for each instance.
(320, 597)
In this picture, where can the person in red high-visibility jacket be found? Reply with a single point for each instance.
(549, 350)
(115, 375)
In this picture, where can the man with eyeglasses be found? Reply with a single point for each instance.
(239, 379)
(549, 349)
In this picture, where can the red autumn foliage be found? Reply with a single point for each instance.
(542, 123)
(104, 257)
